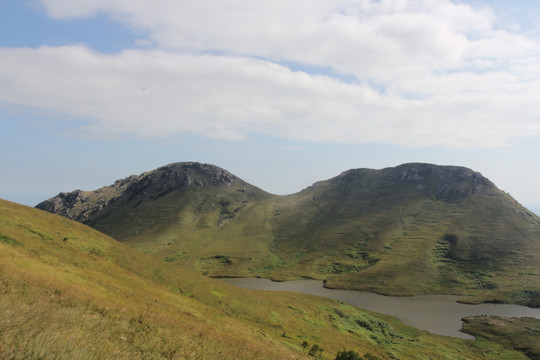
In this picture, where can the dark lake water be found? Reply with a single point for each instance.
(438, 314)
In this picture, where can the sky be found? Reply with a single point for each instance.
(280, 93)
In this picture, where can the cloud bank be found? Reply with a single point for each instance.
(418, 72)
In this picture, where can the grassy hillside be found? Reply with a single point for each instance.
(417, 229)
(413, 229)
(71, 292)
(514, 333)
(68, 291)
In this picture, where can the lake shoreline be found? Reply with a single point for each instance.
(467, 299)
(437, 313)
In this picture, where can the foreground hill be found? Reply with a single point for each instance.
(70, 292)
(415, 228)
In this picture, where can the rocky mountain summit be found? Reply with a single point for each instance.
(81, 205)
(447, 183)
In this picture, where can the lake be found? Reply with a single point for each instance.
(438, 314)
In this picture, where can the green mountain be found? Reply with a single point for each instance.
(70, 292)
(413, 229)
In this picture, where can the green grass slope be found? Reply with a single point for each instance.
(68, 291)
(521, 334)
(412, 229)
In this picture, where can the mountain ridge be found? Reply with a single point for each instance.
(411, 229)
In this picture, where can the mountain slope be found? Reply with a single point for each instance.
(68, 291)
(415, 228)
(71, 292)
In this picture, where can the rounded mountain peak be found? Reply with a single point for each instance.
(198, 173)
(448, 183)
(178, 176)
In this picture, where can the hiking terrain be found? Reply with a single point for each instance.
(68, 291)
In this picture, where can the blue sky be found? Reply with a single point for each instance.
(280, 93)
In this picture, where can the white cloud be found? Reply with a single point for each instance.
(448, 75)
(156, 93)
(376, 39)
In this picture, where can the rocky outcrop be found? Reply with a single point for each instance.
(63, 203)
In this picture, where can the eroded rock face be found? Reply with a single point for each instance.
(77, 205)
(63, 203)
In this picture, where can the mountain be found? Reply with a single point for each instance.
(412, 229)
(70, 292)
(88, 206)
